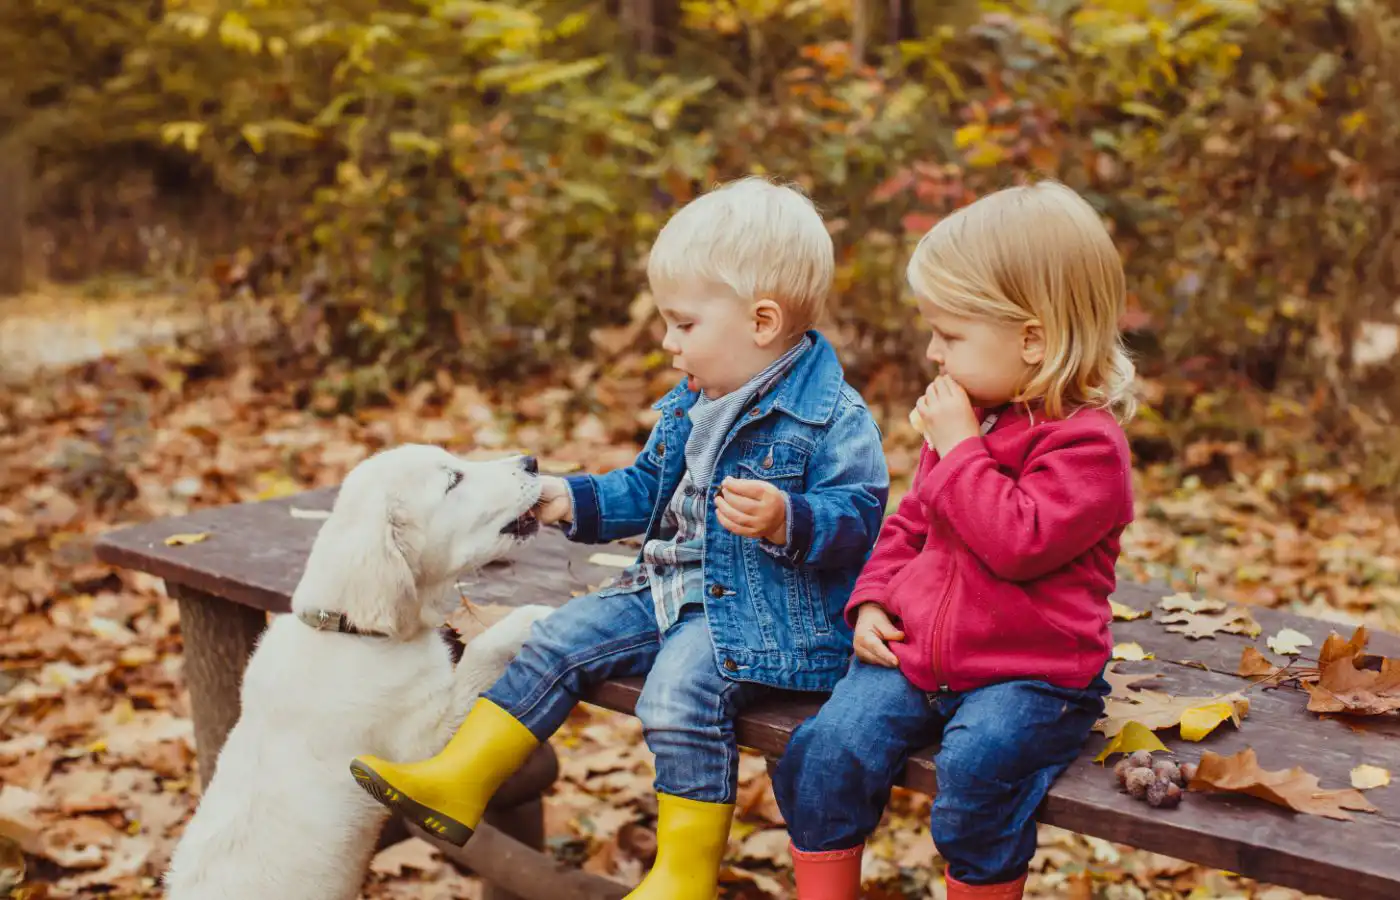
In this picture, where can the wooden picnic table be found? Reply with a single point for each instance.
(255, 552)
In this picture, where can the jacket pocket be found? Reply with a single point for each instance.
(781, 463)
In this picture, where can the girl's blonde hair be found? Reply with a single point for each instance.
(1038, 252)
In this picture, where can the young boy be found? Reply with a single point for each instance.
(760, 492)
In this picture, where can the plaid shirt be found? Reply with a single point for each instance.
(677, 576)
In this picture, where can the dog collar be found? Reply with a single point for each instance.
(324, 620)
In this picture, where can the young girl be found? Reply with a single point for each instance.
(982, 616)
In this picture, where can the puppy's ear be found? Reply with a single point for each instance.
(360, 565)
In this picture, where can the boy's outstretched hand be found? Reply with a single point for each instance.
(752, 509)
(873, 628)
(554, 504)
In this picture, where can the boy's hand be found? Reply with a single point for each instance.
(554, 504)
(873, 628)
(947, 415)
(752, 509)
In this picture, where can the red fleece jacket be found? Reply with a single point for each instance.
(999, 562)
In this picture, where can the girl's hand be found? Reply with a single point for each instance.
(947, 415)
(752, 509)
(873, 628)
(554, 504)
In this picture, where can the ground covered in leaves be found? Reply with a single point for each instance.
(96, 747)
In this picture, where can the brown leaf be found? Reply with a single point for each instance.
(1294, 788)
(1158, 710)
(1123, 683)
(1205, 625)
(1343, 688)
(1253, 664)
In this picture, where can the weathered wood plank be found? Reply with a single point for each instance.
(256, 552)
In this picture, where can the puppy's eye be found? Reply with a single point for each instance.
(454, 478)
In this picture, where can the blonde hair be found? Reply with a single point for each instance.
(1038, 252)
(761, 239)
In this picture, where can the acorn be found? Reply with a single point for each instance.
(1139, 780)
(1167, 770)
(1141, 759)
(1188, 772)
(1163, 794)
(1121, 770)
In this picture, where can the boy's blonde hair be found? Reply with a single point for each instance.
(1038, 252)
(762, 240)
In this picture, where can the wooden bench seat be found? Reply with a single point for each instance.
(255, 552)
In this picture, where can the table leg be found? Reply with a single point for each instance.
(219, 637)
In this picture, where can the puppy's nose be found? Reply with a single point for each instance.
(531, 465)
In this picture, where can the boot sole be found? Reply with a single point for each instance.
(435, 823)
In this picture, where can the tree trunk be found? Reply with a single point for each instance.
(14, 187)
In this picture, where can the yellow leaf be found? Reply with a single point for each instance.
(1199, 721)
(1133, 737)
(180, 540)
(1145, 110)
(1289, 642)
(611, 559)
(1131, 651)
(968, 135)
(235, 32)
(1126, 613)
(187, 133)
(1364, 777)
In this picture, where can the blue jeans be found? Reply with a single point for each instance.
(1002, 747)
(687, 708)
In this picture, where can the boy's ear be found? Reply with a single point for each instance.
(1033, 343)
(768, 321)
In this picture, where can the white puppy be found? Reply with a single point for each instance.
(358, 667)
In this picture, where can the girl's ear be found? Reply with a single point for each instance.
(1033, 343)
(768, 322)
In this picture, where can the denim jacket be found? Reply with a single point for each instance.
(775, 612)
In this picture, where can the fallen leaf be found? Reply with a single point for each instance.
(611, 559)
(1293, 788)
(1130, 652)
(1124, 613)
(1253, 664)
(1343, 688)
(180, 540)
(1365, 777)
(1289, 642)
(1184, 602)
(1123, 683)
(1158, 710)
(413, 853)
(1132, 737)
(298, 513)
(1199, 721)
(1205, 625)
(11, 866)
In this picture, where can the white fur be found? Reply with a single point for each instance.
(282, 816)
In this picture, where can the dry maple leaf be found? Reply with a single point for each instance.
(1184, 602)
(1294, 788)
(1343, 688)
(1158, 710)
(1123, 683)
(1205, 625)
(1254, 664)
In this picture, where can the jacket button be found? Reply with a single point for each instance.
(659, 570)
(661, 449)
(755, 411)
(731, 666)
(716, 591)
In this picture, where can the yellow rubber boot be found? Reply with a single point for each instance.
(690, 839)
(447, 794)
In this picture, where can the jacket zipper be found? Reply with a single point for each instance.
(938, 623)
